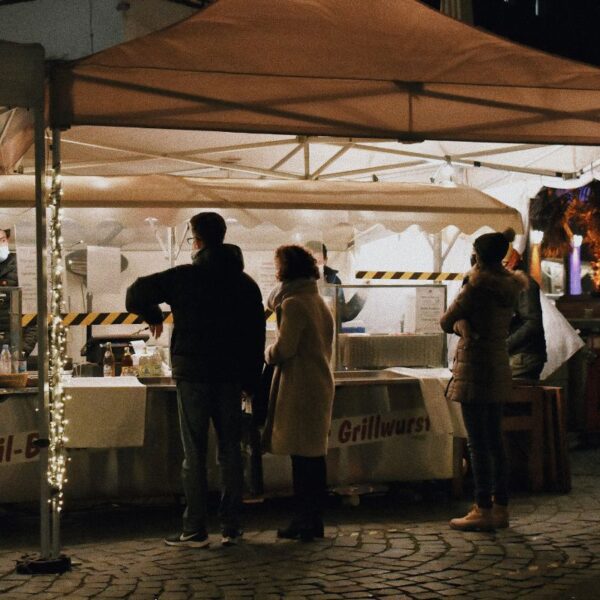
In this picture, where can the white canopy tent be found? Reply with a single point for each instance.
(379, 69)
(336, 212)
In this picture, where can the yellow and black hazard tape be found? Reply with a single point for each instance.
(75, 319)
(409, 275)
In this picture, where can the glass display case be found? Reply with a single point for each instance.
(387, 325)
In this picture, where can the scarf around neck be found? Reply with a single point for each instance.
(285, 289)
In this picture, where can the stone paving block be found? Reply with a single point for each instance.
(453, 592)
(119, 592)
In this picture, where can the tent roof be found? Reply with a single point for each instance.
(21, 89)
(395, 205)
(108, 151)
(381, 68)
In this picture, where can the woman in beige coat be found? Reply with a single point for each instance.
(302, 391)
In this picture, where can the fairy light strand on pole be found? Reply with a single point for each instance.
(57, 456)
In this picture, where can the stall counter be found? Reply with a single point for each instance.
(381, 432)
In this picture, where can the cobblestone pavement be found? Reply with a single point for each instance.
(388, 547)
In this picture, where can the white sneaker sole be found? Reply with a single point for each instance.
(189, 543)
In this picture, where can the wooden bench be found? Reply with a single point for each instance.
(540, 411)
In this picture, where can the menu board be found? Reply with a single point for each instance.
(430, 303)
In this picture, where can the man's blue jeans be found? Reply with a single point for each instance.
(486, 448)
(198, 404)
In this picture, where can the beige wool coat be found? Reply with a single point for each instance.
(301, 396)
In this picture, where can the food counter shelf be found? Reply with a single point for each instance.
(380, 432)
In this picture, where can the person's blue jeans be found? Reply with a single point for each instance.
(486, 448)
(198, 404)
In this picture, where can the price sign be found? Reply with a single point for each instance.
(429, 308)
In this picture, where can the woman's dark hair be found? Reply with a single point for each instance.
(295, 262)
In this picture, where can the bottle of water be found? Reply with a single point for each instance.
(5, 360)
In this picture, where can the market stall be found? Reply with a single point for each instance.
(140, 446)
(334, 75)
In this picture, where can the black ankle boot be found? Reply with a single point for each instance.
(294, 531)
(299, 530)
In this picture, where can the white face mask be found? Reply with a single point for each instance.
(4, 252)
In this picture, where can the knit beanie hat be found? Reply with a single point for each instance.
(491, 247)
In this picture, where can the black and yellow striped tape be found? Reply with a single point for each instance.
(74, 319)
(409, 275)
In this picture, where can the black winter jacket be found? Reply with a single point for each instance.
(9, 277)
(349, 310)
(527, 327)
(219, 321)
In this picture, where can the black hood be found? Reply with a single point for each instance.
(225, 258)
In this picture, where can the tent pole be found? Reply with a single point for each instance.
(42, 329)
(436, 246)
(50, 560)
(55, 507)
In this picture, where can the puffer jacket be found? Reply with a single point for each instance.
(481, 372)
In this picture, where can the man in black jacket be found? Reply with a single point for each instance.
(9, 278)
(217, 351)
(348, 310)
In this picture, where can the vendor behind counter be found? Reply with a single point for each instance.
(348, 310)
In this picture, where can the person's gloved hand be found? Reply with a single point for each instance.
(464, 330)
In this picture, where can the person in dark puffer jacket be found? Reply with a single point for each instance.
(481, 315)
(217, 351)
(526, 342)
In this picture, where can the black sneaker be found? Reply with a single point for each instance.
(230, 536)
(198, 539)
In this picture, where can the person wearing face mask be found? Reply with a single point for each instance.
(10, 278)
(481, 315)
(348, 310)
(217, 350)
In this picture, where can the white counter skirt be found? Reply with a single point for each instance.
(444, 416)
(105, 412)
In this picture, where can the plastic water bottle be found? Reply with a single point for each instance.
(5, 360)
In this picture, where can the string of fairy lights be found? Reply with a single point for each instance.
(57, 350)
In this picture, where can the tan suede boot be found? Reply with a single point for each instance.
(500, 516)
(478, 519)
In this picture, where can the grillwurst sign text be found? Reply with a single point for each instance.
(377, 427)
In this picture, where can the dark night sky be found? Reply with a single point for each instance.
(569, 28)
